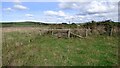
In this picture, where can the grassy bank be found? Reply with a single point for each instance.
(31, 49)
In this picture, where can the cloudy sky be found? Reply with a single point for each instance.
(59, 11)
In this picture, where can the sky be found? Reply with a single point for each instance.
(59, 11)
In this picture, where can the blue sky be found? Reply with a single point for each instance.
(58, 12)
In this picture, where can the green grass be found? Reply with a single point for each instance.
(31, 49)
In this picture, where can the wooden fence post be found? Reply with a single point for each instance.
(52, 31)
(69, 33)
(111, 31)
(86, 32)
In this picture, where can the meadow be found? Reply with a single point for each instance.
(32, 49)
(28, 44)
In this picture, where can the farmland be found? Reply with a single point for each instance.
(23, 45)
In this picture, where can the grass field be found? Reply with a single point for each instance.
(32, 49)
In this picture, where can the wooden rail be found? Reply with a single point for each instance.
(68, 31)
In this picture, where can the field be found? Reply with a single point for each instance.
(39, 33)
(29, 48)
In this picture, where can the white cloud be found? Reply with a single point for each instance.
(29, 15)
(69, 17)
(89, 7)
(55, 13)
(57, 0)
(8, 9)
(98, 7)
(94, 10)
(68, 5)
(17, 1)
(20, 7)
(81, 16)
(86, 0)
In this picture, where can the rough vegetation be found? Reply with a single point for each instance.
(34, 46)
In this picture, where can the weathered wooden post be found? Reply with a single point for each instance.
(111, 31)
(40, 32)
(69, 31)
(52, 31)
(86, 32)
